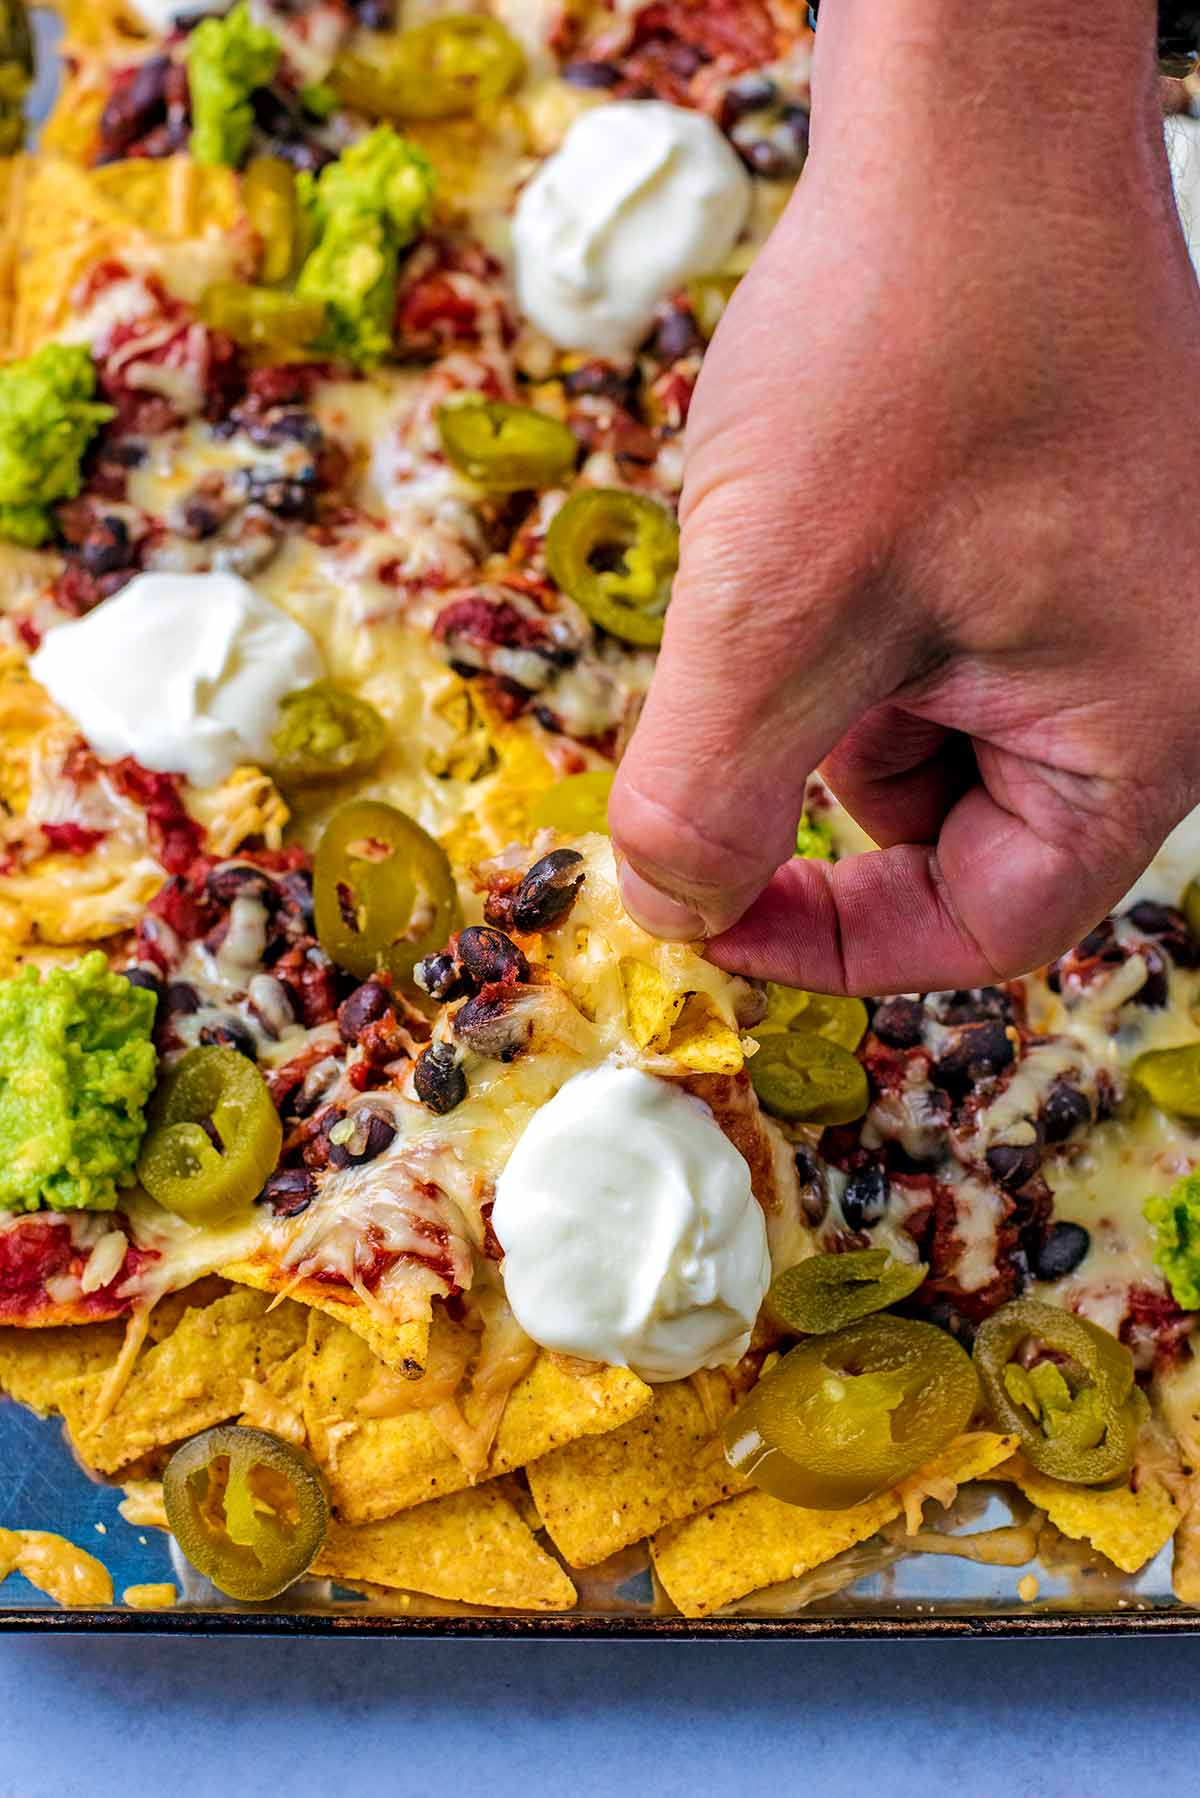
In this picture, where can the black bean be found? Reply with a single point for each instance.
(977, 1052)
(585, 73)
(439, 1080)
(1155, 989)
(1066, 1109)
(239, 880)
(949, 1318)
(182, 998)
(764, 156)
(750, 93)
(366, 1005)
(372, 1134)
(975, 1005)
(106, 546)
(487, 955)
(865, 1199)
(135, 108)
(599, 380)
(1012, 1164)
(1155, 920)
(1096, 941)
(543, 898)
(375, 15)
(279, 426)
(288, 496)
(297, 889)
(303, 154)
(1061, 1250)
(139, 975)
(440, 977)
(677, 335)
(494, 1024)
(900, 1023)
(289, 1192)
(228, 1032)
(202, 515)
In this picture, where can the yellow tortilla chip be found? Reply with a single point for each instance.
(34, 1363)
(501, 802)
(1128, 1527)
(703, 1042)
(377, 1466)
(601, 1494)
(651, 1006)
(180, 220)
(754, 1540)
(189, 1381)
(664, 1021)
(403, 1346)
(276, 1402)
(470, 1546)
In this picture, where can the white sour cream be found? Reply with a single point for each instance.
(630, 1232)
(159, 16)
(1183, 154)
(640, 197)
(184, 672)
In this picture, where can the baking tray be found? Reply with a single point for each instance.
(43, 1487)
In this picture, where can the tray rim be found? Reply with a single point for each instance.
(1045, 1625)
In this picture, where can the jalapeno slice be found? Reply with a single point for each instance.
(1170, 1079)
(616, 554)
(576, 805)
(844, 1417)
(1078, 1417)
(451, 65)
(213, 1137)
(249, 1511)
(807, 1079)
(827, 1292)
(839, 1020)
(268, 319)
(384, 894)
(505, 448)
(325, 733)
(269, 196)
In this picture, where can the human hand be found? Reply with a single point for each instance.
(943, 462)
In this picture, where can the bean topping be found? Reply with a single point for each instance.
(366, 1005)
(439, 1080)
(865, 1199)
(1061, 1250)
(228, 1032)
(1011, 1165)
(1065, 1110)
(977, 1052)
(440, 977)
(543, 898)
(900, 1023)
(290, 1191)
(359, 1138)
(486, 955)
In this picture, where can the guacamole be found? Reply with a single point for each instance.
(814, 839)
(47, 419)
(226, 60)
(76, 1069)
(1176, 1221)
(362, 211)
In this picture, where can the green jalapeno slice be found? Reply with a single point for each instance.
(325, 733)
(213, 1137)
(1170, 1079)
(446, 67)
(807, 1079)
(269, 196)
(1077, 1417)
(503, 447)
(844, 1417)
(576, 805)
(383, 890)
(840, 1020)
(616, 554)
(250, 1512)
(268, 319)
(827, 1292)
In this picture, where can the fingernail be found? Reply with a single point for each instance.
(656, 911)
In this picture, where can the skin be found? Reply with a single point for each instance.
(942, 465)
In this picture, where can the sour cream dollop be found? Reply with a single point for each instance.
(629, 1229)
(184, 672)
(640, 196)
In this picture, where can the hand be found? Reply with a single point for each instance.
(943, 474)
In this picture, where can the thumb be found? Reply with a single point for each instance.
(759, 676)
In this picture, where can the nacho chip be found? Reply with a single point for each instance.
(276, 1401)
(651, 1006)
(377, 1466)
(470, 1546)
(189, 1381)
(403, 1346)
(601, 1494)
(173, 218)
(664, 1021)
(703, 1042)
(1128, 1527)
(754, 1540)
(34, 1363)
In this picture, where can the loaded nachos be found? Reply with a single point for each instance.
(378, 1202)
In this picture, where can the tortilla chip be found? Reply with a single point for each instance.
(651, 1006)
(34, 1363)
(276, 1402)
(175, 218)
(377, 1466)
(167, 1315)
(703, 1042)
(403, 1346)
(189, 1381)
(754, 1540)
(599, 1495)
(471, 1546)
(1128, 1527)
(72, 129)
